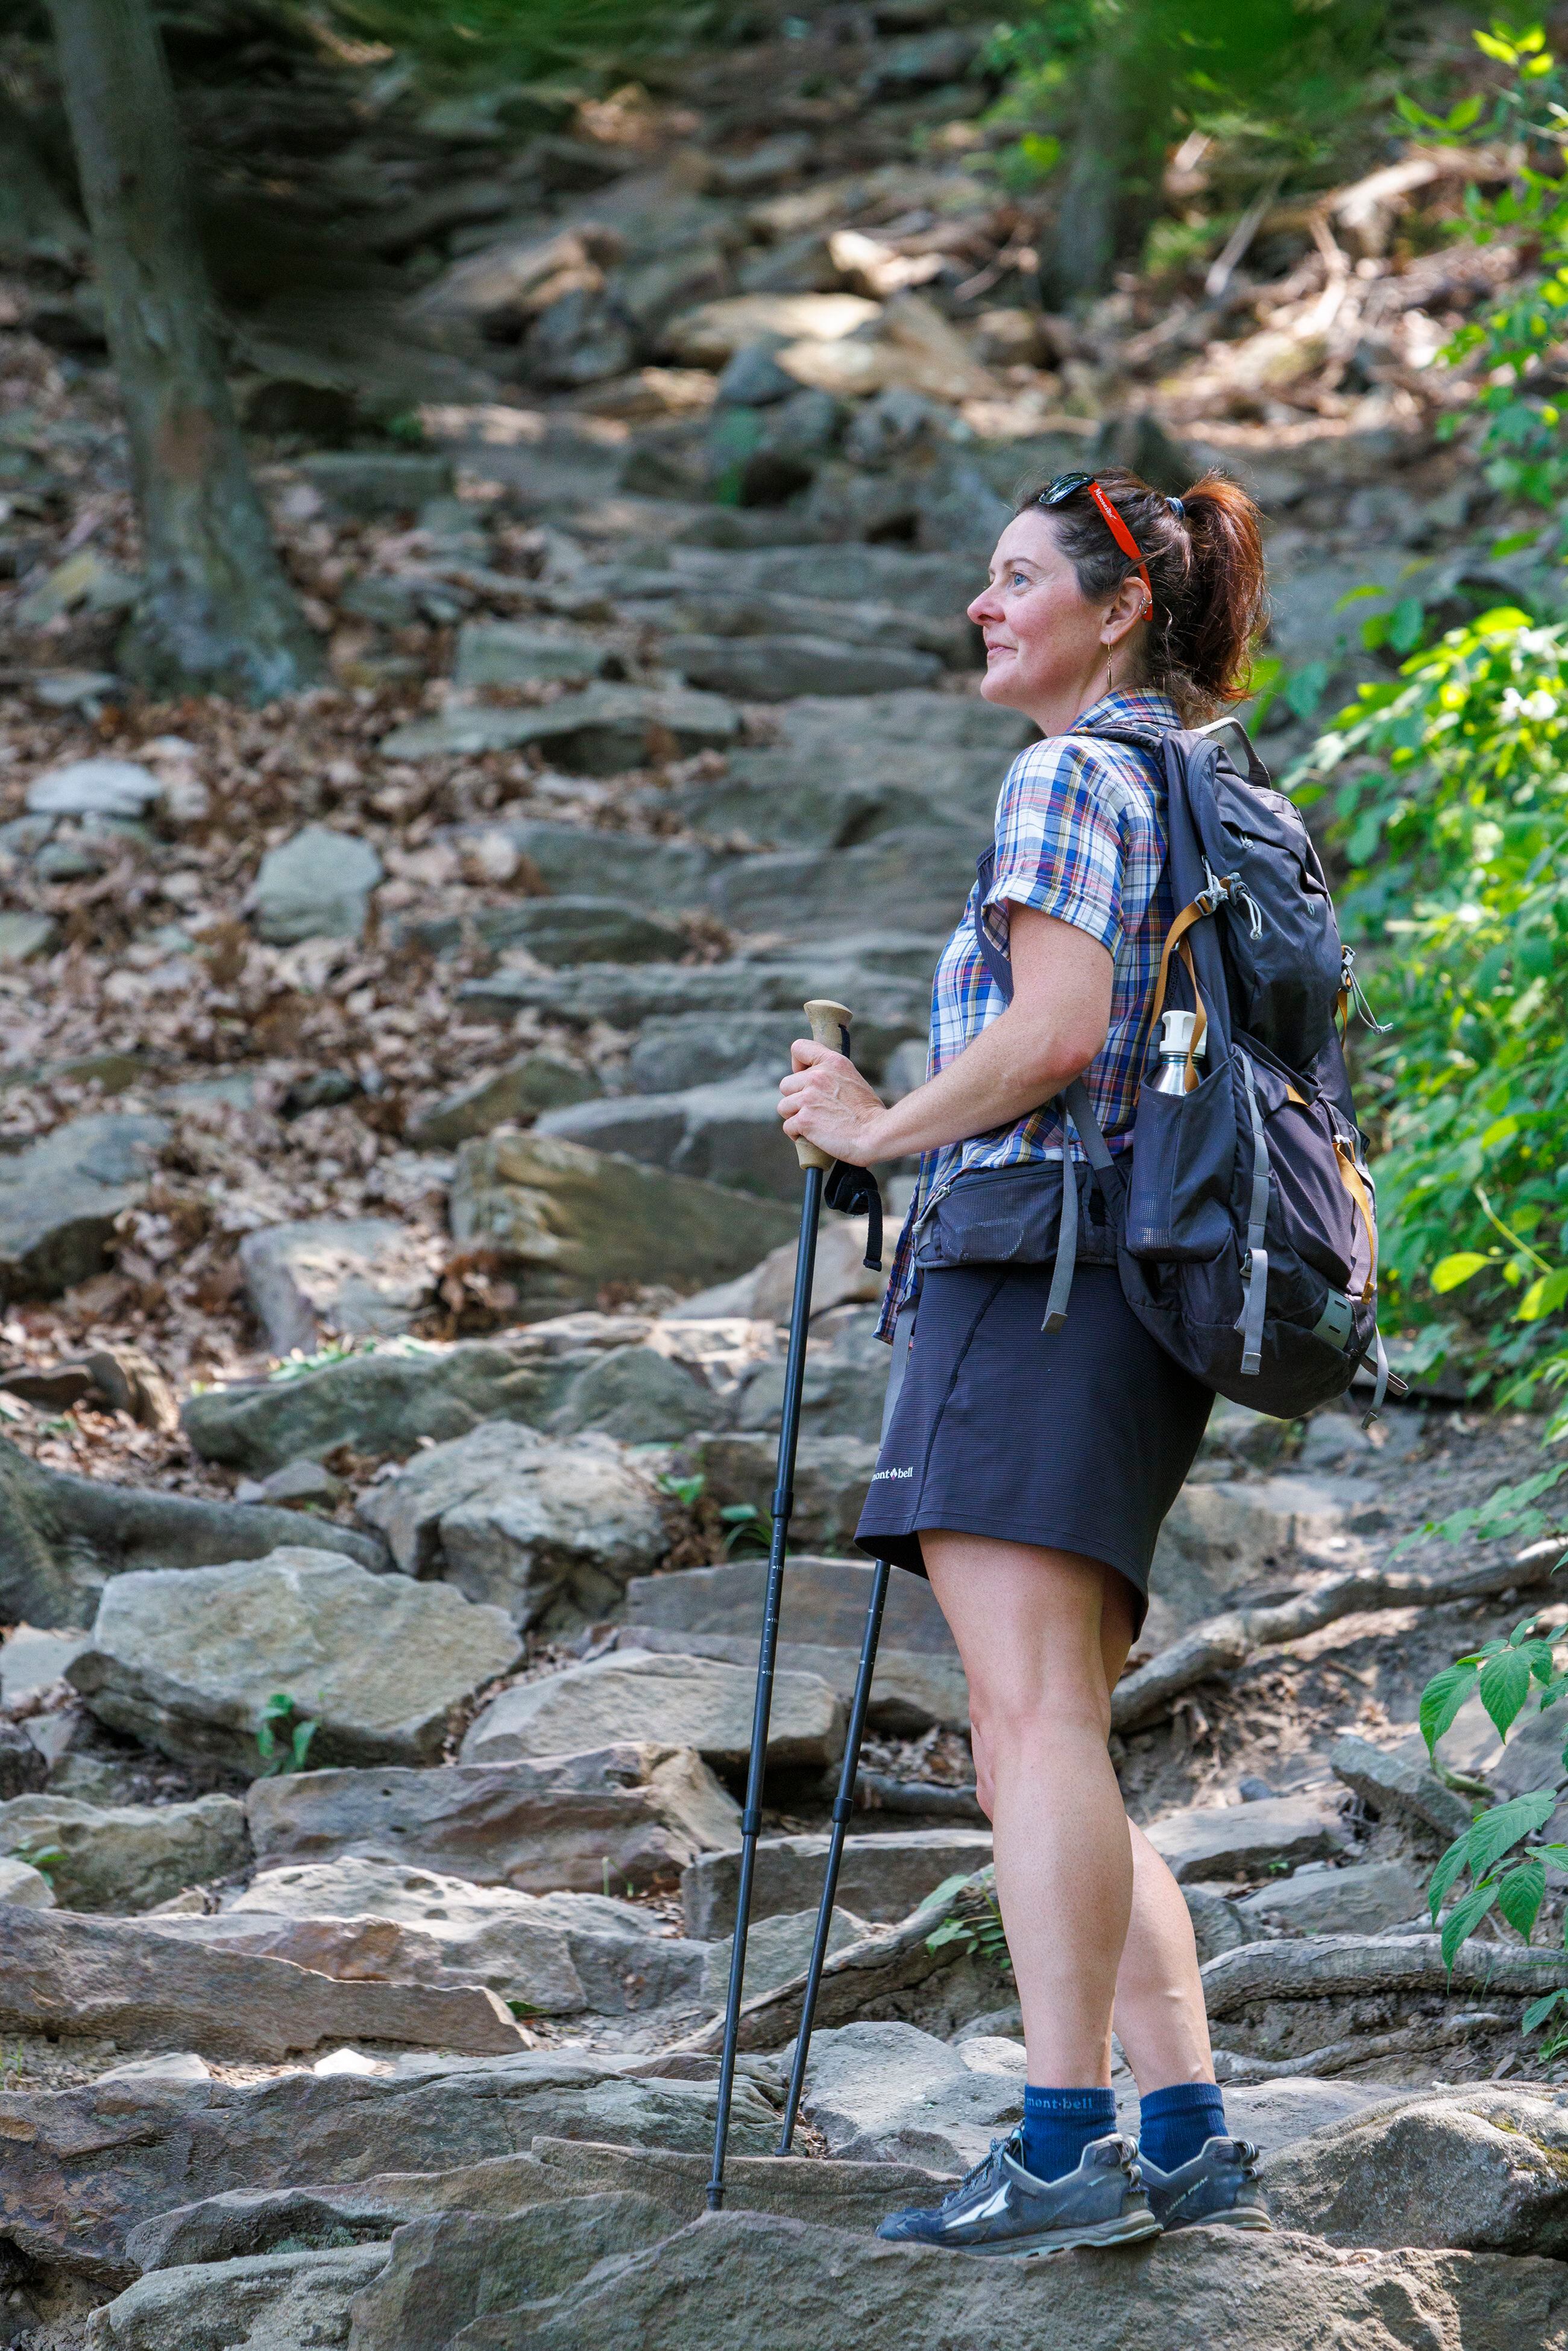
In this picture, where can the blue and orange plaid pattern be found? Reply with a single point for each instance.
(1080, 834)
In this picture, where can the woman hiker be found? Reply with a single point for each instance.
(1026, 1472)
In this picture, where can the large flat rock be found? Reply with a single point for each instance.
(1239, 1840)
(119, 1980)
(1218, 1540)
(880, 1877)
(383, 1665)
(123, 1858)
(520, 1521)
(647, 1695)
(83, 2167)
(63, 1538)
(596, 732)
(642, 1812)
(557, 1953)
(60, 1196)
(275, 2299)
(726, 1133)
(716, 2285)
(911, 1689)
(890, 2093)
(381, 1403)
(567, 1220)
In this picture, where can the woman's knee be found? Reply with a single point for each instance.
(1012, 1715)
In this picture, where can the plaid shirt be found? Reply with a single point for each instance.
(1080, 834)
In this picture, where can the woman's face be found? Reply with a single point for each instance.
(1046, 643)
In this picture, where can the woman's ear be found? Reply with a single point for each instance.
(1126, 608)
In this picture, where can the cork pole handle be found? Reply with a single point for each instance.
(830, 1026)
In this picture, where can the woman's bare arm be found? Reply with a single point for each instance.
(1052, 1031)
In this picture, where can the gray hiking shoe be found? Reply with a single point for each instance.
(1000, 2207)
(1220, 2183)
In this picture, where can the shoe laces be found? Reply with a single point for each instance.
(987, 2167)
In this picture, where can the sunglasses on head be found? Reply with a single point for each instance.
(1067, 485)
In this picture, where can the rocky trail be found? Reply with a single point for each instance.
(395, 1247)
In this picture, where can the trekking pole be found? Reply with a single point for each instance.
(830, 1026)
(842, 1810)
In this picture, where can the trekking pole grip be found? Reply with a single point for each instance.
(829, 1026)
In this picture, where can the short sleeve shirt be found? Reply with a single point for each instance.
(1080, 835)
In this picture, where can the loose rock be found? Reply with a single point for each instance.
(888, 2093)
(352, 1277)
(59, 1198)
(568, 1220)
(512, 1097)
(701, 1703)
(644, 1812)
(880, 1877)
(1231, 1839)
(522, 1521)
(124, 1858)
(316, 886)
(381, 1665)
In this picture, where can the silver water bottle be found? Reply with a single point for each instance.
(1175, 1039)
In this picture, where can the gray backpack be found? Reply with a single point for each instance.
(1245, 1235)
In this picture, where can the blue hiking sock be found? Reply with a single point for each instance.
(1174, 2124)
(1058, 2125)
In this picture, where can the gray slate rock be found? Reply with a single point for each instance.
(556, 1823)
(63, 1539)
(826, 1603)
(832, 1477)
(59, 1198)
(568, 1220)
(677, 1051)
(103, 787)
(776, 668)
(1252, 2293)
(122, 1981)
(511, 652)
(1236, 1840)
(490, 1935)
(22, 1884)
(576, 861)
(776, 1949)
(381, 1403)
(1392, 1781)
(268, 2302)
(522, 1521)
(454, 2268)
(316, 886)
(910, 1690)
(514, 1096)
(351, 1277)
(725, 1133)
(1485, 2169)
(85, 2168)
(889, 2092)
(638, 1396)
(564, 932)
(241, 2221)
(383, 1665)
(1364, 1900)
(694, 1701)
(881, 1877)
(22, 936)
(598, 732)
(1218, 1540)
(374, 482)
(124, 1858)
(821, 894)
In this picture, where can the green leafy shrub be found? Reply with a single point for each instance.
(1502, 1852)
(1449, 792)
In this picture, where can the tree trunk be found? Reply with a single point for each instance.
(217, 615)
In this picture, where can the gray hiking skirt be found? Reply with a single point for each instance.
(1077, 1440)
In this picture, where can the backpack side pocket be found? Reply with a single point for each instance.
(1184, 1159)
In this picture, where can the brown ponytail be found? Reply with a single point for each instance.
(1205, 557)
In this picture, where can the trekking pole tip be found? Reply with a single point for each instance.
(830, 1026)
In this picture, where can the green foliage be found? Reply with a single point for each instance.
(1501, 1853)
(1280, 82)
(1449, 787)
(282, 1737)
(45, 1858)
(973, 1918)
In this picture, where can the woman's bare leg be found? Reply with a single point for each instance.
(1031, 1629)
(1158, 1997)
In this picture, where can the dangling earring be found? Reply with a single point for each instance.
(1109, 681)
